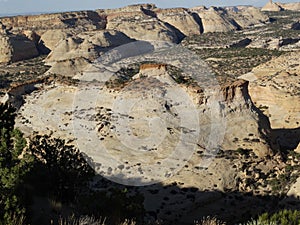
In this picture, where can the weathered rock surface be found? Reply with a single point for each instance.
(275, 89)
(50, 39)
(106, 38)
(295, 189)
(297, 150)
(71, 48)
(113, 27)
(291, 6)
(180, 18)
(69, 67)
(15, 48)
(81, 19)
(272, 6)
(245, 16)
(213, 21)
(140, 26)
(277, 6)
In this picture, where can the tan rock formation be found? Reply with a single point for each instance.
(145, 67)
(213, 21)
(239, 109)
(141, 26)
(71, 48)
(87, 19)
(33, 36)
(295, 189)
(106, 38)
(181, 19)
(51, 38)
(69, 67)
(275, 89)
(15, 48)
(129, 8)
(272, 6)
(290, 6)
(277, 6)
(245, 16)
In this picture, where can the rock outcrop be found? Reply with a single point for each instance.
(50, 39)
(82, 19)
(277, 6)
(106, 38)
(291, 6)
(69, 67)
(184, 21)
(272, 6)
(114, 27)
(213, 21)
(246, 16)
(274, 88)
(82, 49)
(141, 26)
(15, 48)
(72, 48)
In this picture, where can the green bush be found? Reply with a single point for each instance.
(14, 165)
(284, 217)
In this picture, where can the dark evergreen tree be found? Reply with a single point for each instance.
(13, 166)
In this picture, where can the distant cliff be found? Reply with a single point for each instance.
(40, 34)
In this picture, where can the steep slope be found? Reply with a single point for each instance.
(180, 18)
(213, 21)
(40, 23)
(15, 48)
(272, 6)
(138, 25)
(274, 87)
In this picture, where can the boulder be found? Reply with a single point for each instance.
(295, 189)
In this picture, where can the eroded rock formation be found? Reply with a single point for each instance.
(277, 6)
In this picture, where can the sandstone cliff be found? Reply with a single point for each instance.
(182, 19)
(113, 27)
(213, 21)
(15, 48)
(272, 6)
(275, 89)
(140, 26)
(277, 6)
(86, 19)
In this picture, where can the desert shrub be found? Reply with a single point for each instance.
(209, 221)
(284, 217)
(60, 170)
